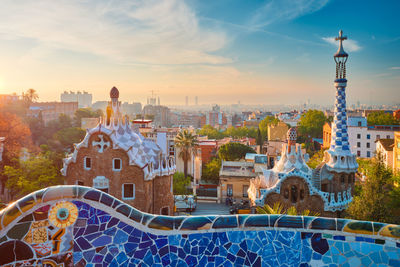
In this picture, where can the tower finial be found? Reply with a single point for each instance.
(341, 57)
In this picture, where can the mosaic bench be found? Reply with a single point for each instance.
(81, 226)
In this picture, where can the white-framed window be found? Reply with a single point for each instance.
(101, 183)
(87, 163)
(117, 164)
(128, 191)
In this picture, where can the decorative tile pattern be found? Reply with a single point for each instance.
(108, 232)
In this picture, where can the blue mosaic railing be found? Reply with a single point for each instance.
(78, 226)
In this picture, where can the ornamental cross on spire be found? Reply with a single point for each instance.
(341, 37)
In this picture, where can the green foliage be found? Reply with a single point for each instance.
(211, 132)
(33, 174)
(316, 159)
(86, 113)
(68, 136)
(234, 151)
(181, 183)
(263, 125)
(234, 132)
(240, 132)
(278, 208)
(210, 171)
(378, 197)
(311, 124)
(187, 143)
(382, 118)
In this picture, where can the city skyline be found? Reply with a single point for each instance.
(266, 52)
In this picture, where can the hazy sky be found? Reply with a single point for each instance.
(271, 52)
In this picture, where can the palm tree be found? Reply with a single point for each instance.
(187, 143)
(30, 96)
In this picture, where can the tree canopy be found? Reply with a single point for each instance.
(263, 125)
(378, 198)
(187, 144)
(381, 118)
(211, 132)
(234, 151)
(210, 171)
(17, 135)
(180, 183)
(311, 123)
(35, 173)
(86, 113)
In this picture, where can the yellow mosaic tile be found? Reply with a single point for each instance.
(39, 235)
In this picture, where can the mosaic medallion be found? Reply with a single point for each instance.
(63, 214)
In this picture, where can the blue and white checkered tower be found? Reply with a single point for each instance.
(339, 157)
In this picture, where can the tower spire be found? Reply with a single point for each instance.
(339, 157)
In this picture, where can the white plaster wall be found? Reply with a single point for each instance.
(364, 131)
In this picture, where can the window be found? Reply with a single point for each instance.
(359, 124)
(87, 163)
(387, 136)
(378, 137)
(77, 182)
(398, 157)
(358, 144)
(368, 154)
(165, 211)
(324, 187)
(128, 191)
(398, 144)
(358, 154)
(343, 177)
(368, 136)
(101, 183)
(368, 145)
(286, 193)
(358, 136)
(293, 193)
(117, 164)
(245, 188)
(229, 190)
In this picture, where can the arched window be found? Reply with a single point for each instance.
(293, 193)
(286, 193)
(301, 194)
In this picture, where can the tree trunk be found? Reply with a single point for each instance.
(185, 167)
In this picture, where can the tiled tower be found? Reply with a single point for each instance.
(339, 157)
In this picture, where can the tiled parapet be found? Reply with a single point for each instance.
(77, 226)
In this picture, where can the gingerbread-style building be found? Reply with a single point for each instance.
(328, 189)
(114, 157)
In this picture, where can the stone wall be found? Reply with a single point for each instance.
(102, 165)
(78, 226)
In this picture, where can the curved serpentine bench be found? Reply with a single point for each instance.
(78, 226)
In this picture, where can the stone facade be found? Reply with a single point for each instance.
(115, 159)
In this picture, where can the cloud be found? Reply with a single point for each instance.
(281, 10)
(349, 45)
(129, 31)
(394, 68)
